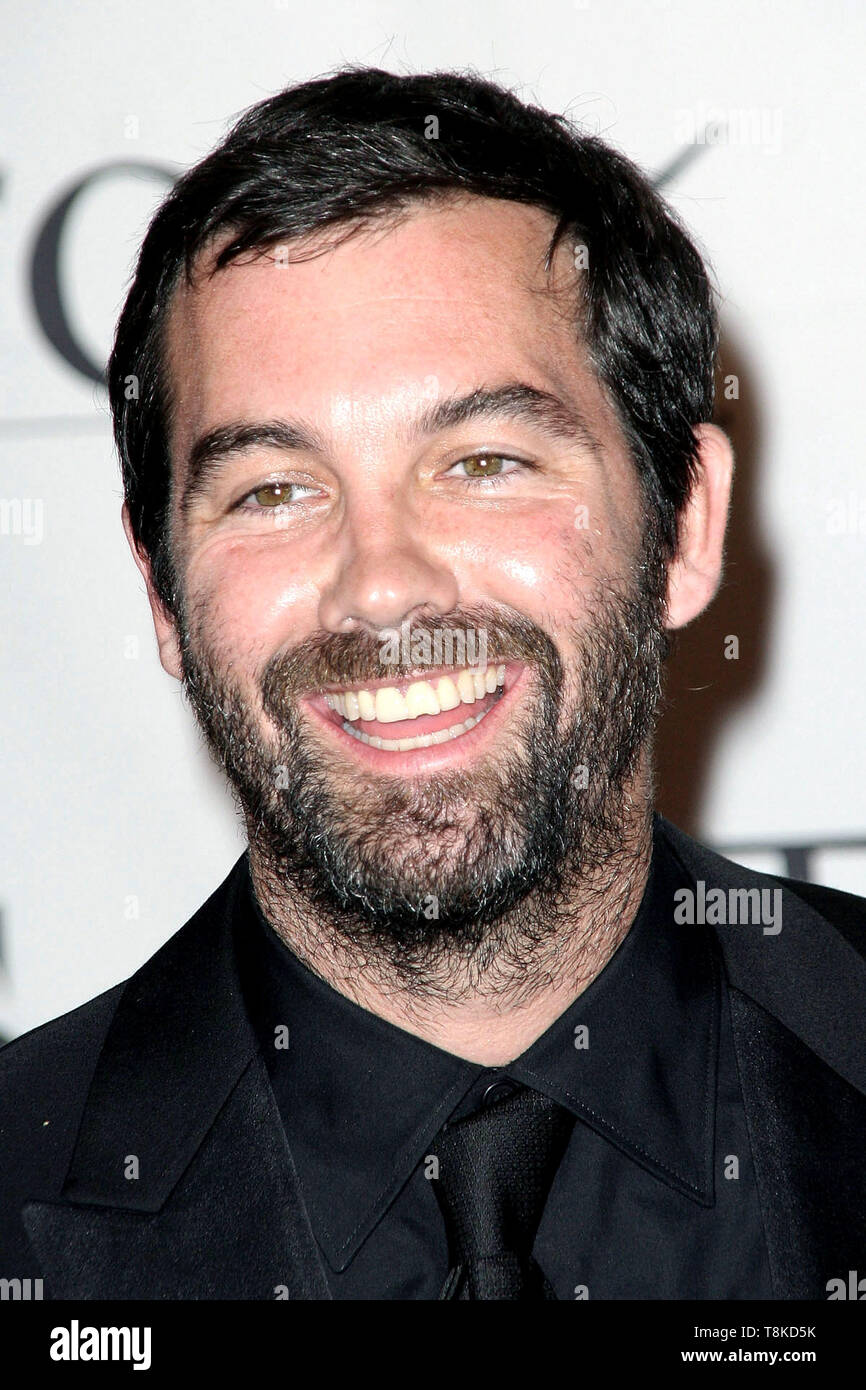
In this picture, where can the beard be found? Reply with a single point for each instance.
(465, 868)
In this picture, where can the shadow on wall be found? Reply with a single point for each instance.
(704, 686)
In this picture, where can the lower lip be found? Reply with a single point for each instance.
(439, 755)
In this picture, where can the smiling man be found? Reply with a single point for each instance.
(455, 847)
(412, 393)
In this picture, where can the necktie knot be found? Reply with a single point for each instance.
(496, 1167)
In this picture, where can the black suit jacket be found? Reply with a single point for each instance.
(164, 1069)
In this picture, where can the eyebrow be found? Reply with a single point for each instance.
(516, 400)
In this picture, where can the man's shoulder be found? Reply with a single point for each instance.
(45, 1075)
(45, 1072)
(844, 911)
(61, 1043)
(796, 949)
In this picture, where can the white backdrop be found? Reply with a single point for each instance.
(115, 825)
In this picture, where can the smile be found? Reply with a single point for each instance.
(413, 715)
(391, 705)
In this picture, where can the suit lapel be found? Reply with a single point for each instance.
(803, 1077)
(181, 1184)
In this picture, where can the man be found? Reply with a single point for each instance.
(412, 394)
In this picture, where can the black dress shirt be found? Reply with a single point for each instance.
(655, 1196)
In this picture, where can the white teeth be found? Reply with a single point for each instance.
(466, 686)
(447, 693)
(387, 704)
(390, 705)
(353, 708)
(403, 745)
(421, 699)
(367, 704)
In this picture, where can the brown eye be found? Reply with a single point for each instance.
(493, 469)
(271, 497)
(273, 494)
(483, 465)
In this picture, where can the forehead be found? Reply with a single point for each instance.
(450, 296)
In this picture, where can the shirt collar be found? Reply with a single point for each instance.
(634, 1057)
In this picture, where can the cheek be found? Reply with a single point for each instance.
(537, 562)
(253, 597)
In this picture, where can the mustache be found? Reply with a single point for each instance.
(355, 659)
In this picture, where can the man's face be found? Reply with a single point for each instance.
(422, 481)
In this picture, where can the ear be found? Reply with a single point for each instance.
(163, 622)
(695, 572)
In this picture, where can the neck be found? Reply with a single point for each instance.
(486, 1010)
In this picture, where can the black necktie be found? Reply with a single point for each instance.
(495, 1171)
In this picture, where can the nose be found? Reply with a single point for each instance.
(385, 572)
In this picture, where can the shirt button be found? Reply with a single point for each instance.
(498, 1090)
